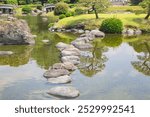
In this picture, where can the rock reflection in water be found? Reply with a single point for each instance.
(21, 55)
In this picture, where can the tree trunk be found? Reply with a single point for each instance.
(148, 13)
(95, 11)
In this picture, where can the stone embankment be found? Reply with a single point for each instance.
(60, 73)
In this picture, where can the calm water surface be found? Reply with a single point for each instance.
(118, 69)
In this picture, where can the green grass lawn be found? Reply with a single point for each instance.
(124, 8)
(92, 23)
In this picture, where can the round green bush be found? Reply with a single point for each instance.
(61, 8)
(62, 16)
(112, 25)
(26, 9)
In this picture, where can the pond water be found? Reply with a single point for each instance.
(118, 69)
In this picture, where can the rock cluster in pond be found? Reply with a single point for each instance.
(15, 31)
(70, 56)
(131, 32)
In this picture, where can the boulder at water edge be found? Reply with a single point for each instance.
(97, 33)
(15, 32)
(60, 80)
(64, 91)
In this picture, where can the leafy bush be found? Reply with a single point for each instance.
(12, 2)
(112, 25)
(26, 9)
(68, 14)
(39, 7)
(51, 24)
(61, 8)
(62, 16)
(80, 11)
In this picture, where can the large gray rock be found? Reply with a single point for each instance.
(60, 80)
(54, 73)
(72, 59)
(97, 33)
(65, 92)
(5, 53)
(15, 32)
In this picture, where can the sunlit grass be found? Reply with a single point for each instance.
(91, 22)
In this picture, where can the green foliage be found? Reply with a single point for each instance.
(26, 9)
(61, 8)
(112, 25)
(51, 24)
(135, 2)
(62, 16)
(68, 14)
(80, 11)
(39, 7)
(14, 2)
(22, 2)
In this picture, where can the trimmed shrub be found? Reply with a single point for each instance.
(26, 9)
(61, 8)
(112, 25)
(62, 16)
(39, 7)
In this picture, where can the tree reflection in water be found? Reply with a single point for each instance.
(93, 61)
(143, 63)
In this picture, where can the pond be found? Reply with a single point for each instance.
(118, 69)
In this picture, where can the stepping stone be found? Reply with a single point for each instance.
(54, 73)
(64, 91)
(67, 65)
(60, 80)
(69, 53)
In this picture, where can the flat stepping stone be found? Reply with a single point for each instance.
(54, 73)
(60, 80)
(69, 53)
(67, 65)
(61, 46)
(5, 53)
(64, 91)
(72, 59)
